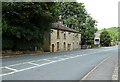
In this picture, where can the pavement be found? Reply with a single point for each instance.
(72, 65)
(105, 70)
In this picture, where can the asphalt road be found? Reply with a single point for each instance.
(72, 65)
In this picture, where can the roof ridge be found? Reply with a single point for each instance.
(60, 26)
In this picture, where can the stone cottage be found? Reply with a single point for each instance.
(61, 38)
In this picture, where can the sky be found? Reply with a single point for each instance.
(104, 11)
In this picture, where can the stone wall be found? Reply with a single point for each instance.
(67, 40)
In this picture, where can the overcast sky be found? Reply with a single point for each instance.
(104, 11)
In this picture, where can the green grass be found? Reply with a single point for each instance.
(113, 32)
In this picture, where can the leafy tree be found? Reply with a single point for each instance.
(75, 16)
(119, 34)
(26, 22)
(89, 31)
(105, 38)
(114, 33)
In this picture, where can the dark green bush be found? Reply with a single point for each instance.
(7, 44)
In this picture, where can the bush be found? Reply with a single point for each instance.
(7, 44)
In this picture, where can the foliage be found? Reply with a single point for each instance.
(118, 33)
(24, 23)
(114, 32)
(105, 38)
(75, 16)
(27, 21)
(72, 13)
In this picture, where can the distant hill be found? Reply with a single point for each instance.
(113, 32)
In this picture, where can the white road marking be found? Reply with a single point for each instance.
(33, 63)
(94, 68)
(115, 73)
(47, 60)
(7, 74)
(55, 57)
(16, 64)
(23, 63)
(27, 68)
(11, 68)
(39, 65)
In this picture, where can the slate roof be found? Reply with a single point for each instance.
(60, 26)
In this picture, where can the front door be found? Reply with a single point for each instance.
(69, 46)
(64, 46)
(57, 46)
(52, 47)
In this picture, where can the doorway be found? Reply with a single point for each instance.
(53, 47)
(57, 46)
(64, 47)
(69, 46)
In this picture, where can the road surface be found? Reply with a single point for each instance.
(72, 65)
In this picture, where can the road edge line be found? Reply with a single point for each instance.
(115, 73)
(94, 68)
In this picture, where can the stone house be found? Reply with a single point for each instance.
(61, 38)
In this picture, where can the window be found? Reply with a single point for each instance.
(96, 39)
(58, 34)
(77, 35)
(73, 37)
(64, 35)
(73, 45)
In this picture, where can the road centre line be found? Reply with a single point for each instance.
(33, 63)
(47, 59)
(63, 59)
(27, 68)
(15, 71)
(55, 57)
(23, 63)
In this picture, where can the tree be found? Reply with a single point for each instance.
(26, 22)
(75, 16)
(90, 30)
(119, 34)
(105, 38)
